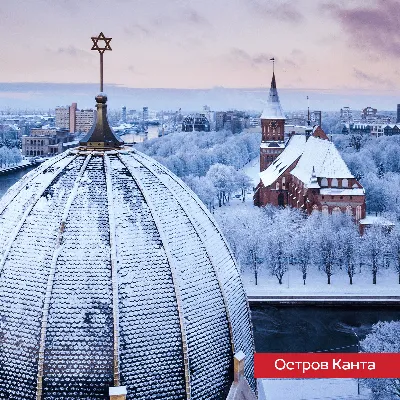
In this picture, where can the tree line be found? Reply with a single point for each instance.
(208, 162)
(269, 241)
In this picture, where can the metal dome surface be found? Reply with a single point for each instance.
(112, 272)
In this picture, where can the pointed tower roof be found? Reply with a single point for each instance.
(273, 110)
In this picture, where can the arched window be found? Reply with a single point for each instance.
(277, 185)
(283, 182)
(358, 213)
(336, 211)
(324, 182)
(334, 182)
(325, 210)
(349, 211)
(315, 209)
(345, 183)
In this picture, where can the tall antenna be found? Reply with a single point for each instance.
(101, 50)
(273, 64)
(308, 111)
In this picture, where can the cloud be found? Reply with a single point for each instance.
(370, 27)
(239, 55)
(285, 11)
(193, 17)
(70, 51)
(363, 76)
(135, 28)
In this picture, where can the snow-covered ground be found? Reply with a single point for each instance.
(311, 389)
(252, 169)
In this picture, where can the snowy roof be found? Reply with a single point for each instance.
(273, 109)
(265, 145)
(292, 152)
(106, 255)
(324, 157)
(343, 192)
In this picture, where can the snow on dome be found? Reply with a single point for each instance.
(111, 268)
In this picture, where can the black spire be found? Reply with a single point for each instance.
(101, 135)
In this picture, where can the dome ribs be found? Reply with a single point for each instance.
(196, 283)
(178, 295)
(79, 340)
(23, 287)
(114, 273)
(151, 353)
(27, 179)
(200, 234)
(222, 259)
(44, 185)
(49, 286)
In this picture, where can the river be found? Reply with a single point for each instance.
(315, 328)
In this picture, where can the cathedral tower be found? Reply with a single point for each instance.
(272, 128)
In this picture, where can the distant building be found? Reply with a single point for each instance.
(74, 120)
(368, 112)
(346, 115)
(196, 122)
(62, 117)
(123, 115)
(145, 114)
(316, 118)
(398, 114)
(234, 121)
(84, 120)
(47, 142)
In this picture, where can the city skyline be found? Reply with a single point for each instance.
(318, 45)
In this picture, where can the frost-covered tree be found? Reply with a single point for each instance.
(243, 182)
(384, 338)
(373, 247)
(326, 245)
(394, 244)
(222, 177)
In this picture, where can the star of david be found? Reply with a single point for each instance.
(96, 40)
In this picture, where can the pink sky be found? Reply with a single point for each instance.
(204, 43)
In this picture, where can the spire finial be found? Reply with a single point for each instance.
(273, 82)
(101, 136)
(101, 50)
(308, 111)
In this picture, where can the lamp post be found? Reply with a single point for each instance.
(358, 350)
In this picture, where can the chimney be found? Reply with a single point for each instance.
(117, 393)
(238, 366)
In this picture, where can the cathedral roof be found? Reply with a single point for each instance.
(316, 157)
(273, 109)
(323, 156)
(113, 273)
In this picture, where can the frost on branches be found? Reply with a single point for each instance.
(384, 338)
(270, 240)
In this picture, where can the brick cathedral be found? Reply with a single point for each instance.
(300, 167)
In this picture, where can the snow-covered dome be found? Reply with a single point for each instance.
(112, 274)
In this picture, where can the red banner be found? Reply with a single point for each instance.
(327, 365)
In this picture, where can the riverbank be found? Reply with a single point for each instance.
(316, 290)
(25, 164)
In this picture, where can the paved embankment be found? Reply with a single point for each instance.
(326, 300)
